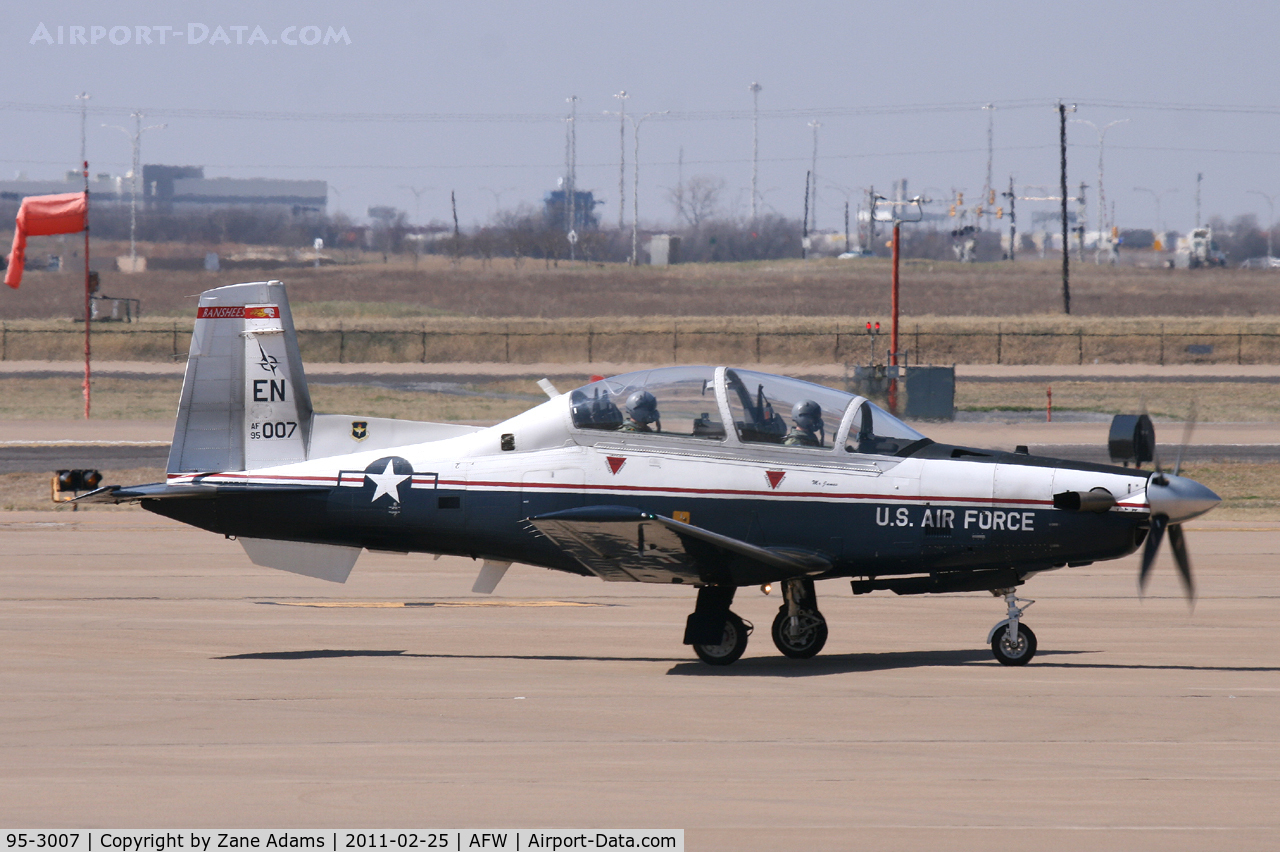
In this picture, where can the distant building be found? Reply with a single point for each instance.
(103, 187)
(556, 210)
(179, 188)
(183, 188)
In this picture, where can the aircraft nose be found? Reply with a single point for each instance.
(1179, 498)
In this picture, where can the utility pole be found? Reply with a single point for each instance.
(622, 154)
(1013, 220)
(754, 88)
(1080, 220)
(988, 191)
(1066, 256)
(83, 98)
(1199, 179)
(1271, 205)
(846, 226)
(572, 182)
(135, 140)
(813, 170)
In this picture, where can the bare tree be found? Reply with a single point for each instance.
(697, 199)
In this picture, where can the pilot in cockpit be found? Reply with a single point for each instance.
(641, 411)
(809, 429)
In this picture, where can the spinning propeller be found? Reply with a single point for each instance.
(1173, 500)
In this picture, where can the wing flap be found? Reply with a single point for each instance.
(620, 543)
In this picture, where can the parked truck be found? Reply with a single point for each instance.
(1198, 249)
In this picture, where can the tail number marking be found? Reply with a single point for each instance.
(269, 390)
(278, 429)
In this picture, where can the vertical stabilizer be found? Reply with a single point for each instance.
(244, 403)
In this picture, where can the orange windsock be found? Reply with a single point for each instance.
(40, 216)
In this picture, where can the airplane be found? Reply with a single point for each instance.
(688, 475)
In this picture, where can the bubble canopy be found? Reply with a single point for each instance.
(696, 402)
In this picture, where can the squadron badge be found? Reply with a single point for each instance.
(359, 429)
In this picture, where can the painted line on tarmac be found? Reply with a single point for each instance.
(77, 443)
(444, 604)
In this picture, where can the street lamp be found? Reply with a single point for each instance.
(135, 139)
(1102, 198)
(1157, 196)
(635, 187)
(1271, 203)
(754, 88)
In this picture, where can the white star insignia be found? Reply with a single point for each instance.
(387, 482)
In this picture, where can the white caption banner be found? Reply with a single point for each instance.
(343, 840)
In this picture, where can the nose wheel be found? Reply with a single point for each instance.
(1012, 642)
(799, 630)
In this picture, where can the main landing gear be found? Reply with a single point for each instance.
(1012, 642)
(719, 636)
(799, 630)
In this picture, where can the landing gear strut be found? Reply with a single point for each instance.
(718, 635)
(799, 630)
(1012, 642)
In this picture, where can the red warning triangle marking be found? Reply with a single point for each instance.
(775, 477)
(615, 463)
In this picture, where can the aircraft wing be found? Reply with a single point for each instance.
(621, 543)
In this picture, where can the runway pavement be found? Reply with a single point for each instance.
(153, 677)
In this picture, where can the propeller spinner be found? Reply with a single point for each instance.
(1173, 500)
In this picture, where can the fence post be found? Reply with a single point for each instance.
(835, 352)
(1080, 343)
(507, 343)
(424, 346)
(591, 339)
(1161, 344)
(757, 341)
(342, 344)
(999, 343)
(919, 356)
(1239, 347)
(175, 340)
(4, 342)
(675, 343)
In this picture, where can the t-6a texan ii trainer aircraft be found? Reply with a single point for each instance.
(710, 477)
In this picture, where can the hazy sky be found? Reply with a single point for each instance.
(468, 96)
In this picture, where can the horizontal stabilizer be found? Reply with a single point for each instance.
(622, 543)
(330, 562)
(192, 491)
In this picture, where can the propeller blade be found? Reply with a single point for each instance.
(1151, 548)
(1187, 429)
(1179, 546)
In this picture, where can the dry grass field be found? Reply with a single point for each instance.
(819, 288)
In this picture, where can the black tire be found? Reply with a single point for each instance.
(812, 635)
(730, 647)
(1009, 653)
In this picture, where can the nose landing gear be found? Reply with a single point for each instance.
(799, 630)
(1012, 642)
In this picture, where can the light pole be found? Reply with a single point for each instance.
(1102, 197)
(1159, 229)
(622, 154)
(755, 88)
(1271, 203)
(813, 169)
(135, 139)
(635, 186)
(83, 98)
(417, 200)
(988, 194)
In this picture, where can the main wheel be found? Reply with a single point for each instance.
(731, 645)
(1010, 652)
(805, 638)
